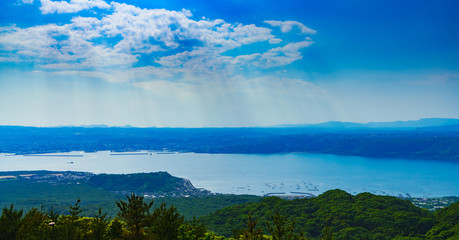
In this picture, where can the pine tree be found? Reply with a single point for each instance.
(280, 229)
(136, 214)
(115, 230)
(69, 226)
(98, 226)
(34, 225)
(165, 223)
(252, 233)
(10, 222)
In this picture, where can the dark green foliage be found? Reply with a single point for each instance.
(199, 206)
(140, 183)
(115, 229)
(28, 195)
(98, 227)
(352, 233)
(52, 215)
(136, 213)
(71, 227)
(281, 229)
(448, 223)
(251, 232)
(10, 222)
(335, 213)
(34, 225)
(165, 223)
(192, 230)
(75, 210)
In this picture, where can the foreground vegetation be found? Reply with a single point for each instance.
(340, 215)
(333, 215)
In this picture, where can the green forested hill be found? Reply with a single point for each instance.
(58, 190)
(333, 215)
(340, 215)
(155, 184)
(448, 223)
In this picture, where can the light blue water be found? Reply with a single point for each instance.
(261, 174)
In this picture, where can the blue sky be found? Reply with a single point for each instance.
(224, 63)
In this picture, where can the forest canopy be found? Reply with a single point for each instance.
(334, 214)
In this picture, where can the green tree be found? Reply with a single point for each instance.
(252, 233)
(165, 223)
(75, 210)
(448, 223)
(70, 227)
(352, 233)
(192, 230)
(327, 234)
(98, 226)
(280, 229)
(136, 214)
(34, 226)
(52, 215)
(115, 230)
(10, 222)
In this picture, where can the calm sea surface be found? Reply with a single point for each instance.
(262, 174)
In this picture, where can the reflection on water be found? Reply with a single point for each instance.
(263, 174)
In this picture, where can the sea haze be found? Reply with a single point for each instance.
(261, 174)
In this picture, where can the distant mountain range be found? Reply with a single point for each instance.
(421, 123)
(434, 139)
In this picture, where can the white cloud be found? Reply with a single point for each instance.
(151, 30)
(27, 1)
(275, 57)
(59, 47)
(275, 40)
(48, 6)
(287, 26)
(9, 59)
(172, 41)
(34, 42)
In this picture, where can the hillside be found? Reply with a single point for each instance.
(334, 214)
(160, 184)
(58, 190)
(342, 216)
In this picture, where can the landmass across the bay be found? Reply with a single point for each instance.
(431, 139)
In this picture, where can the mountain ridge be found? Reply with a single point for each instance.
(421, 123)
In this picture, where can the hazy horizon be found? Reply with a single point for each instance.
(443, 122)
(226, 63)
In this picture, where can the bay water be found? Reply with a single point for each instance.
(262, 174)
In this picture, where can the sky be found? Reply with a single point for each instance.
(226, 63)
